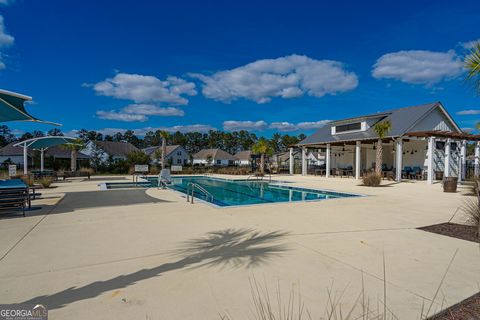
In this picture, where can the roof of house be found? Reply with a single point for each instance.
(402, 120)
(56, 151)
(217, 154)
(151, 150)
(243, 155)
(10, 150)
(116, 148)
(59, 152)
(285, 156)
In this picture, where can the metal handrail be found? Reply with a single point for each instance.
(260, 177)
(202, 189)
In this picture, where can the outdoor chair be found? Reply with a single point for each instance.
(406, 172)
(416, 173)
(164, 178)
(14, 195)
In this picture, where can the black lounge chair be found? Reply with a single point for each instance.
(14, 195)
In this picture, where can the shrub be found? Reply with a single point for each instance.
(46, 182)
(85, 169)
(372, 180)
(28, 180)
(471, 207)
(154, 170)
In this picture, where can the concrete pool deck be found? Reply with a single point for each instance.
(130, 254)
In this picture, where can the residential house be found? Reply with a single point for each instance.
(243, 158)
(105, 150)
(215, 157)
(175, 155)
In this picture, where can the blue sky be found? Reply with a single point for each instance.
(262, 66)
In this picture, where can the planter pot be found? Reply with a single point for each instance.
(438, 175)
(450, 184)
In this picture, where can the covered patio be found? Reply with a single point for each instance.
(422, 155)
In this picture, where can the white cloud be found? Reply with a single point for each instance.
(138, 112)
(152, 110)
(119, 116)
(143, 131)
(283, 126)
(470, 44)
(244, 125)
(418, 66)
(260, 125)
(146, 89)
(6, 40)
(286, 77)
(469, 112)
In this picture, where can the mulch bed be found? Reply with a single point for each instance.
(460, 231)
(468, 309)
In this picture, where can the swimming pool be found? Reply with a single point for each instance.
(247, 192)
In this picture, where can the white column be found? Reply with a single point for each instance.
(446, 172)
(431, 146)
(304, 161)
(41, 159)
(358, 149)
(462, 162)
(399, 158)
(25, 159)
(327, 161)
(292, 161)
(477, 159)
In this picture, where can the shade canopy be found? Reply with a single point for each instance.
(41, 143)
(45, 142)
(12, 108)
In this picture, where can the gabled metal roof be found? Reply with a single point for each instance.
(402, 119)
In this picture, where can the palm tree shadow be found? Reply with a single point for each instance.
(231, 247)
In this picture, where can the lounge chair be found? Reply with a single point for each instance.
(14, 195)
(164, 178)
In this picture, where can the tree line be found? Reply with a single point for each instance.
(193, 142)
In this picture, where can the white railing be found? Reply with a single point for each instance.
(191, 188)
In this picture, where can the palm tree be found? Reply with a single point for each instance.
(472, 64)
(74, 147)
(262, 147)
(381, 129)
(165, 135)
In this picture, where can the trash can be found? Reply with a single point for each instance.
(450, 184)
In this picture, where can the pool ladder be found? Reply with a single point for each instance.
(191, 188)
(260, 178)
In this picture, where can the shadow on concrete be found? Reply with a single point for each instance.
(235, 247)
(90, 199)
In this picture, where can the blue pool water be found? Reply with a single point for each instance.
(236, 193)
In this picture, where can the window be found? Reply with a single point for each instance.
(179, 153)
(439, 145)
(348, 127)
(179, 161)
(219, 161)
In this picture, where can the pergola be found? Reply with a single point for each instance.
(430, 136)
(42, 144)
